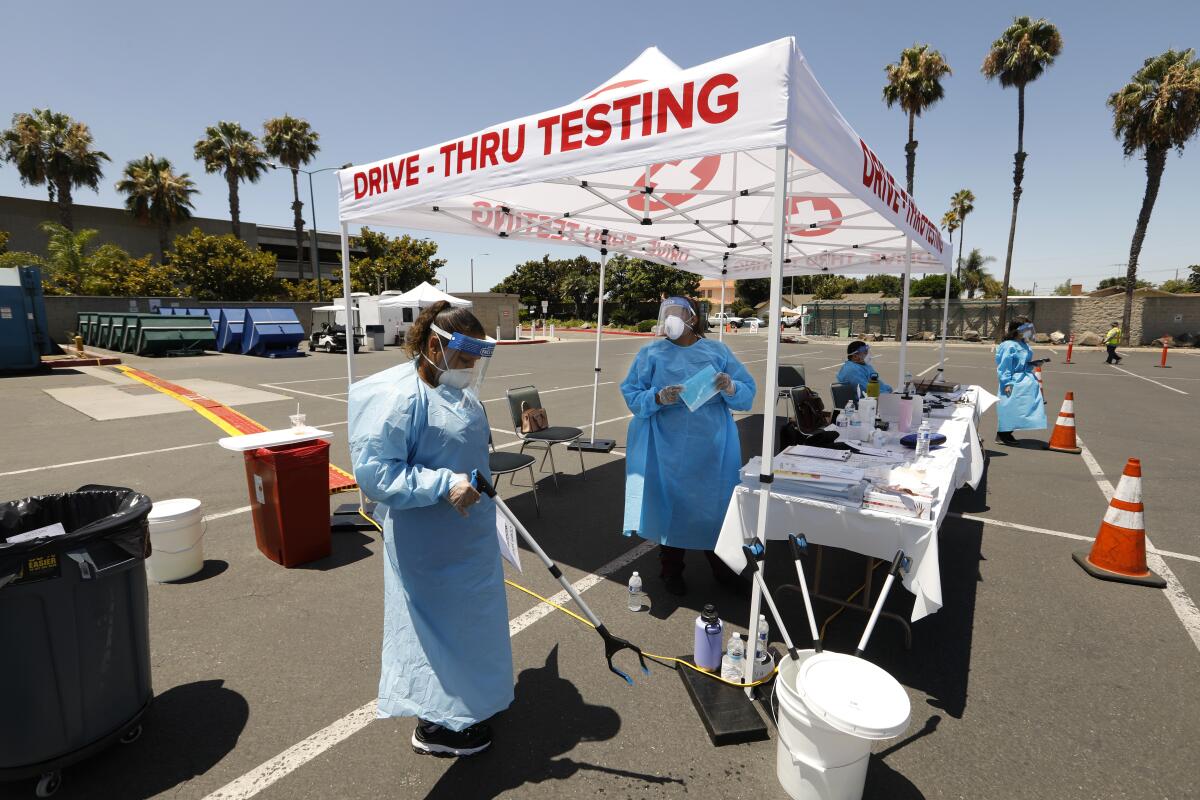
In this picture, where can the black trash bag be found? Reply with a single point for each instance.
(91, 514)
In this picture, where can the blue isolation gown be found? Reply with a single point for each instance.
(681, 466)
(446, 651)
(859, 375)
(1023, 409)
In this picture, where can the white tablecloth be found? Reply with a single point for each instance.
(957, 463)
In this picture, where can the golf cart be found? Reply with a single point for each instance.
(329, 330)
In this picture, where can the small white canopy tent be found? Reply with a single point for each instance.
(738, 168)
(421, 295)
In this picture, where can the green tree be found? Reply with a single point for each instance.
(293, 143)
(155, 195)
(233, 151)
(934, 286)
(951, 223)
(1157, 111)
(830, 287)
(914, 83)
(1121, 282)
(974, 276)
(113, 272)
(1063, 289)
(223, 268)
(962, 203)
(1194, 278)
(1017, 58)
(399, 263)
(305, 291)
(887, 285)
(67, 254)
(637, 285)
(1175, 286)
(52, 149)
(752, 291)
(4, 237)
(533, 281)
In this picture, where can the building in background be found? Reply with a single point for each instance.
(22, 218)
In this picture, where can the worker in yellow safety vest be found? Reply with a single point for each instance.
(1111, 340)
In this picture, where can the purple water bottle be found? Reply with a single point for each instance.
(708, 639)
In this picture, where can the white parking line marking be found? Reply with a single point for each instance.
(559, 389)
(1063, 534)
(931, 366)
(301, 753)
(297, 391)
(223, 514)
(125, 455)
(1182, 604)
(1156, 383)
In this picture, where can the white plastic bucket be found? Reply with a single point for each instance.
(831, 707)
(176, 540)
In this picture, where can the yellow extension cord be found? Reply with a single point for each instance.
(651, 656)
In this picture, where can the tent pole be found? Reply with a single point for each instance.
(594, 445)
(766, 476)
(945, 330)
(904, 314)
(721, 328)
(349, 305)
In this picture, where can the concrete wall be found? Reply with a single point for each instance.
(494, 309)
(1159, 315)
(62, 311)
(1151, 316)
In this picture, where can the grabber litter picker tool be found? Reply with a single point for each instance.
(900, 563)
(612, 644)
(799, 545)
(753, 553)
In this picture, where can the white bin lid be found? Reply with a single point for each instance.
(853, 695)
(169, 509)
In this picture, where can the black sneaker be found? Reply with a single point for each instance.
(1006, 437)
(674, 585)
(431, 739)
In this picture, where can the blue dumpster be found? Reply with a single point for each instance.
(271, 332)
(229, 330)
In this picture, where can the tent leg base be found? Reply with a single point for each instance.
(593, 446)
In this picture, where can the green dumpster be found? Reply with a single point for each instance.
(160, 336)
(81, 325)
(104, 325)
(93, 319)
(116, 331)
(133, 329)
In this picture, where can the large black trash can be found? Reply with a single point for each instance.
(74, 620)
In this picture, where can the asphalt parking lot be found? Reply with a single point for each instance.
(1033, 681)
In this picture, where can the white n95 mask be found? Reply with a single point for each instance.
(673, 327)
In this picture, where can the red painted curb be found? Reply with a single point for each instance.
(524, 341)
(607, 333)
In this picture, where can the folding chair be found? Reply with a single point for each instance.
(843, 393)
(528, 395)
(790, 376)
(501, 464)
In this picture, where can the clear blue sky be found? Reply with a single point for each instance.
(378, 79)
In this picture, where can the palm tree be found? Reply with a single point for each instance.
(155, 194)
(1156, 111)
(229, 148)
(974, 276)
(962, 203)
(915, 82)
(951, 223)
(53, 149)
(1018, 58)
(67, 256)
(293, 143)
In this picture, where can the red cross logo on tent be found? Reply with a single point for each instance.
(698, 176)
(820, 206)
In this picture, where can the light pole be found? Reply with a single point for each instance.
(473, 270)
(312, 204)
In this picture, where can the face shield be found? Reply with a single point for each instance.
(1026, 331)
(675, 316)
(865, 352)
(465, 360)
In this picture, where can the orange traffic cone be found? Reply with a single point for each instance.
(1062, 438)
(1119, 553)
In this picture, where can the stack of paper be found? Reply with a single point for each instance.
(816, 452)
(815, 470)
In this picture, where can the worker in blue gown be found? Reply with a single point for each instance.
(1021, 406)
(416, 433)
(857, 370)
(682, 464)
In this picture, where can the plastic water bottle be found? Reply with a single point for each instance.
(843, 421)
(764, 633)
(637, 599)
(731, 664)
(873, 385)
(855, 425)
(909, 389)
(923, 439)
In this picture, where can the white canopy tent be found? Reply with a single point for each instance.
(421, 295)
(738, 168)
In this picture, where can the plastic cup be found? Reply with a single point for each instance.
(298, 421)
